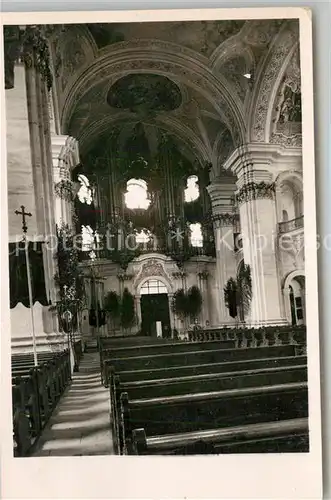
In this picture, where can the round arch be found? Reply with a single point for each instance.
(153, 278)
(293, 181)
(292, 176)
(166, 59)
(292, 275)
(268, 80)
(294, 297)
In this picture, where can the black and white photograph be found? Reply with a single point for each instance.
(157, 212)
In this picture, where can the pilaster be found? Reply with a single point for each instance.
(203, 285)
(65, 157)
(256, 170)
(224, 219)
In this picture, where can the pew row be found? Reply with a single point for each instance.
(168, 348)
(216, 409)
(146, 389)
(276, 437)
(35, 393)
(201, 357)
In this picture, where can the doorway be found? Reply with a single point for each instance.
(297, 300)
(155, 315)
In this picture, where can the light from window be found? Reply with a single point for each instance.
(137, 194)
(87, 239)
(143, 237)
(191, 192)
(153, 287)
(196, 235)
(85, 192)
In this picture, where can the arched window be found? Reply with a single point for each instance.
(136, 195)
(87, 238)
(285, 216)
(85, 192)
(192, 192)
(196, 235)
(151, 287)
(143, 236)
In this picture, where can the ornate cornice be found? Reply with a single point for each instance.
(254, 156)
(179, 274)
(290, 142)
(125, 277)
(254, 191)
(35, 44)
(225, 219)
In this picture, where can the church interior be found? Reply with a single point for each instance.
(156, 238)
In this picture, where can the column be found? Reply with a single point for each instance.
(36, 165)
(207, 228)
(138, 310)
(203, 285)
(65, 156)
(256, 200)
(224, 217)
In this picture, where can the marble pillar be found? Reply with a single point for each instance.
(224, 219)
(255, 197)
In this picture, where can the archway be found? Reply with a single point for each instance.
(154, 308)
(294, 295)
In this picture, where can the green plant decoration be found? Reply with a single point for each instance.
(244, 283)
(112, 306)
(68, 278)
(65, 190)
(179, 303)
(230, 297)
(127, 310)
(238, 293)
(35, 43)
(194, 301)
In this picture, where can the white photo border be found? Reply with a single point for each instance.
(229, 476)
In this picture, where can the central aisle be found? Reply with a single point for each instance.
(80, 425)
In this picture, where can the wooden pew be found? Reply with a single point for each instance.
(229, 366)
(209, 382)
(173, 359)
(161, 348)
(147, 389)
(158, 349)
(35, 393)
(273, 437)
(209, 410)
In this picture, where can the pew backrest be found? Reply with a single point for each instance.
(246, 437)
(191, 358)
(202, 411)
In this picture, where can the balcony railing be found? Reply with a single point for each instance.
(290, 225)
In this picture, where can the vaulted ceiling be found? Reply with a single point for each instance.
(183, 78)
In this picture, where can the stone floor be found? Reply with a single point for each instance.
(80, 425)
